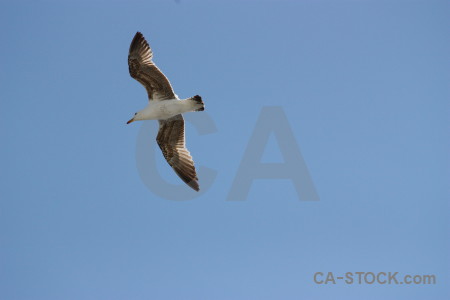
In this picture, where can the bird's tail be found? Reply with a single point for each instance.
(199, 105)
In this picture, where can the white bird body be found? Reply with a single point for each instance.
(162, 110)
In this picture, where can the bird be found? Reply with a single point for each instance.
(164, 106)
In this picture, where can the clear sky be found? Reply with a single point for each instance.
(364, 87)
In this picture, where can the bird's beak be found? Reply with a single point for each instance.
(132, 120)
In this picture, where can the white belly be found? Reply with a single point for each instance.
(160, 110)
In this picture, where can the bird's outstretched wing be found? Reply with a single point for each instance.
(143, 69)
(171, 141)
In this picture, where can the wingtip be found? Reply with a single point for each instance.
(194, 185)
(138, 44)
(138, 36)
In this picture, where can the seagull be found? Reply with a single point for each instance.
(164, 106)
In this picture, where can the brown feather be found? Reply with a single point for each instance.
(171, 141)
(143, 69)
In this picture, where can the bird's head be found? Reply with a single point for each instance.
(135, 118)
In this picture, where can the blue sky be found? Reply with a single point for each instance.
(363, 85)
